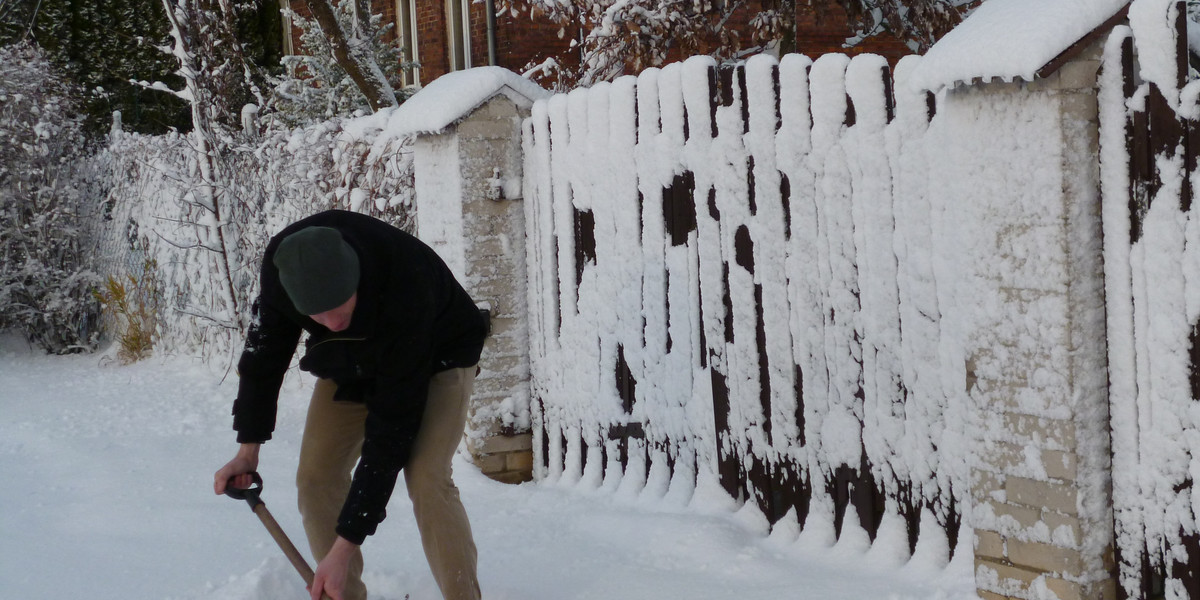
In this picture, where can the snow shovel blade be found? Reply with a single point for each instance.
(251, 496)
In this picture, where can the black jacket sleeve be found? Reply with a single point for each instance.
(387, 446)
(270, 343)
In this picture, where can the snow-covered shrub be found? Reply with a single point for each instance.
(283, 176)
(315, 88)
(48, 194)
(203, 205)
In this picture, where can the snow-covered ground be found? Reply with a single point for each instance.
(107, 493)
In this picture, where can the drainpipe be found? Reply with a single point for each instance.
(491, 31)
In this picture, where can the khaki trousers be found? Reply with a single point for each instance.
(332, 444)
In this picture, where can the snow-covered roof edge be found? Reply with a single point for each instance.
(1014, 39)
(453, 96)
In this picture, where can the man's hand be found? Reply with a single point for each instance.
(330, 577)
(238, 469)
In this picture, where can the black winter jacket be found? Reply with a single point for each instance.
(412, 319)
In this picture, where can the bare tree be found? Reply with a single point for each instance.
(314, 86)
(207, 53)
(920, 22)
(621, 37)
(351, 50)
(626, 36)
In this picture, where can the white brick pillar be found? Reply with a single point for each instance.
(1036, 368)
(468, 188)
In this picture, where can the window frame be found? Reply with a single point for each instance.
(458, 35)
(406, 38)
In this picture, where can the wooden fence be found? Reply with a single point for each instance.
(1152, 253)
(733, 284)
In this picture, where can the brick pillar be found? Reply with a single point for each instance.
(494, 228)
(1041, 484)
(469, 209)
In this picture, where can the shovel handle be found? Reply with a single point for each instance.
(251, 496)
(285, 544)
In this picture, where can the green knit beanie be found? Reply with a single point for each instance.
(317, 268)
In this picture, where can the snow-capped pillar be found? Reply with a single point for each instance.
(469, 208)
(1016, 186)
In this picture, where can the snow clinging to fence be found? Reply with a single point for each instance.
(735, 294)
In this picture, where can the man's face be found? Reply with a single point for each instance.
(337, 319)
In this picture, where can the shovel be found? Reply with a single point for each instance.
(250, 495)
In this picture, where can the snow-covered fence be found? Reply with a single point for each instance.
(732, 286)
(274, 180)
(1150, 120)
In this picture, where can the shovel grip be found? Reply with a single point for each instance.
(250, 494)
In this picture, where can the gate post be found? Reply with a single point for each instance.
(1036, 368)
(1021, 175)
(468, 193)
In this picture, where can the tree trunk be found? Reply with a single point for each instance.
(353, 57)
(195, 29)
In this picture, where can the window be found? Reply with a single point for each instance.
(406, 35)
(458, 34)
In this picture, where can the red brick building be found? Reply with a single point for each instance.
(451, 35)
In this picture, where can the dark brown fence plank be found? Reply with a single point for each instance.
(585, 243)
(729, 468)
(1137, 145)
(679, 207)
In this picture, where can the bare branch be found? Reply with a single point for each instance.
(206, 317)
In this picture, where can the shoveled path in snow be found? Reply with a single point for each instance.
(107, 494)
